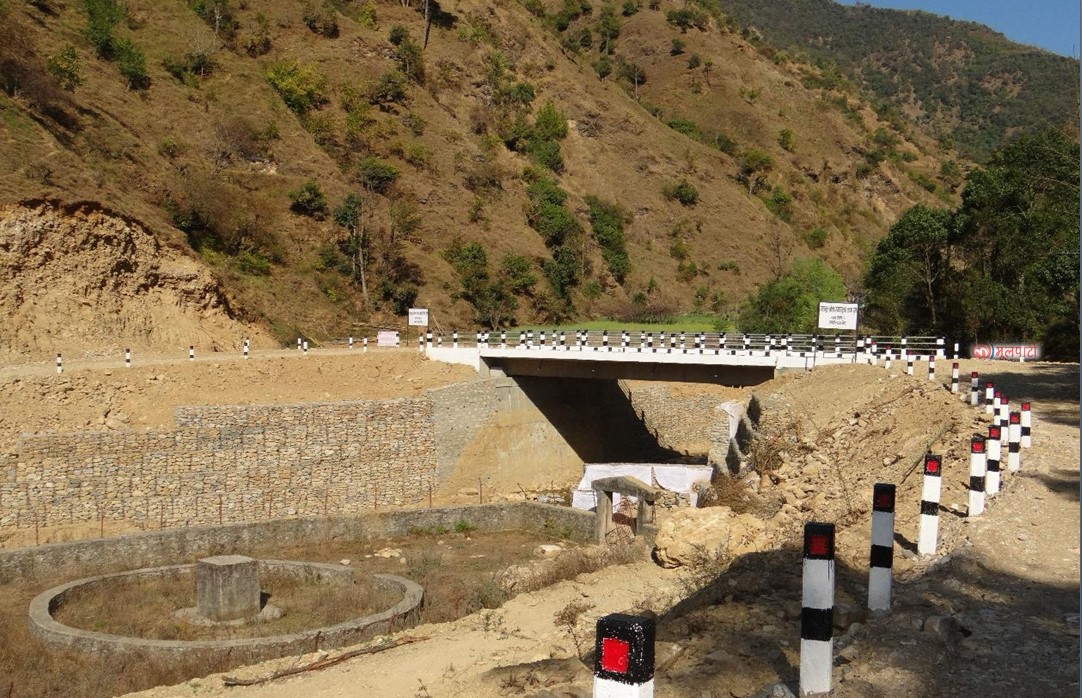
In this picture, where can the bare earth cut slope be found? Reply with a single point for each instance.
(85, 281)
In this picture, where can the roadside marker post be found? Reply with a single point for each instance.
(191, 352)
(886, 359)
(364, 345)
(351, 341)
(298, 343)
(880, 568)
(127, 358)
(974, 390)
(624, 656)
(929, 504)
(931, 368)
(59, 363)
(1026, 424)
(247, 348)
(978, 467)
(454, 339)
(605, 340)
(1014, 442)
(304, 347)
(997, 404)
(989, 397)
(908, 362)
(954, 378)
(817, 609)
(994, 464)
(543, 339)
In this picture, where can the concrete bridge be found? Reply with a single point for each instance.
(677, 356)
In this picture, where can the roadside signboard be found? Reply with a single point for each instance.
(386, 338)
(418, 317)
(838, 316)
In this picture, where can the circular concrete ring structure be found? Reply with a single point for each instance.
(63, 637)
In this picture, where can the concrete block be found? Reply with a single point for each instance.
(227, 587)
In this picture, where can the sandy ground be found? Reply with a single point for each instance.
(1006, 583)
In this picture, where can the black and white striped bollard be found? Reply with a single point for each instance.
(954, 378)
(881, 565)
(908, 362)
(529, 339)
(503, 339)
(563, 340)
(642, 341)
(247, 348)
(351, 342)
(989, 397)
(1027, 423)
(127, 358)
(624, 656)
(997, 405)
(191, 352)
(428, 339)
(650, 342)
(1014, 442)
(978, 468)
(974, 389)
(304, 347)
(364, 344)
(747, 345)
(454, 339)
(59, 363)
(929, 504)
(886, 359)
(672, 342)
(931, 368)
(683, 343)
(817, 609)
(875, 353)
(955, 355)
(605, 340)
(625, 341)
(298, 343)
(420, 343)
(994, 460)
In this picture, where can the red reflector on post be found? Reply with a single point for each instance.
(993, 432)
(884, 500)
(1016, 418)
(1025, 406)
(977, 446)
(931, 465)
(818, 544)
(614, 655)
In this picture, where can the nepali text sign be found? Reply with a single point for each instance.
(838, 316)
(386, 338)
(1007, 352)
(418, 317)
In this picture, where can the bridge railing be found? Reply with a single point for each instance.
(836, 346)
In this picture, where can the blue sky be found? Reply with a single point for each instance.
(1049, 24)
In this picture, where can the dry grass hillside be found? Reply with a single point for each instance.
(205, 153)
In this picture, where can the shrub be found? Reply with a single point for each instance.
(219, 14)
(365, 15)
(376, 175)
(753, 168)
(397, 34)
(253, 263)
(816, 238)
(923, 180)
(411, 60)
(694, 61)
(725, 144)
(608, 221)
(629, 8)
(102, 16)
(300, 86)
(787, 140)
(676, 47)
(780, 203)
(602, 67)
(686, 18)
(685, 126)
(65, 68)
(258, 42)
(683, 191)
(547, 154)
(390, 88)
(131, 63)
(309, 200)
(323, 19)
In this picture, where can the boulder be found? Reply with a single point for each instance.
(686, 535)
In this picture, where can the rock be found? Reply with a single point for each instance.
(548, 550)
(388, 553)
(687, 536)
(945, 628)
(846, 615)
(344, 562)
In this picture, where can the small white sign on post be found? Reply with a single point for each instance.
(418, 317)
(838, 316)
(386, 338)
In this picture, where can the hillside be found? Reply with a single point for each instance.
(690, 166)
(961, 81)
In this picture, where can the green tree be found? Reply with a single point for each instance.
(791, 303)
(608, 221)
(349, 215)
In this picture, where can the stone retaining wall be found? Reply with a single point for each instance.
(227, 463)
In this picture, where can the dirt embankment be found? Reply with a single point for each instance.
(85, 281)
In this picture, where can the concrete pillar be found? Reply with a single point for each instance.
(227, 587)
(603, 521)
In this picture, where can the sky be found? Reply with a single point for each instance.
(1049, 24)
